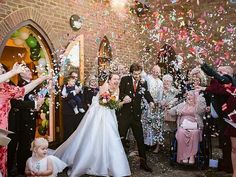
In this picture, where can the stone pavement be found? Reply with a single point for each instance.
(161, 167)
(160, 164)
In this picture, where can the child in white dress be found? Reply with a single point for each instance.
(40, 164)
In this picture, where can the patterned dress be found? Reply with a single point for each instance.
(7, 92)
(168, 100)
(151, 120)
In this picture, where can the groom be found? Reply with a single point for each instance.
(132, 89)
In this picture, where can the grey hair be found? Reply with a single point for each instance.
(167, 77)
(202, 76)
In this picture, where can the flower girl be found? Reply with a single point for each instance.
(40, 164)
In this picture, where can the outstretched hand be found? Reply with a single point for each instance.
(19, 68)
(199, 60)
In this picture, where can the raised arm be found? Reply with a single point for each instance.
(17, 68)
(35, 83)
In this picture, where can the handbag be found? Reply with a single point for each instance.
(232, 116)
(186, 124)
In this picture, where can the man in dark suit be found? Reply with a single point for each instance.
(224, 74)
(22, 121)
(133, 89)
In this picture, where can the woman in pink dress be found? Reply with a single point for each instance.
(8, 92)
(192, 110)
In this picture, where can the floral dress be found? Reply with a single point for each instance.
(7, 92)
(152, 121)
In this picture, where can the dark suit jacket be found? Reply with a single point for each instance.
(88, 95)
(212, 73)
(126, 88)
(16, 107)
(219, 96)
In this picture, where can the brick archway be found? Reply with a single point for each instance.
(23, 17)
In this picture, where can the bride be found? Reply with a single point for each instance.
(95, 147)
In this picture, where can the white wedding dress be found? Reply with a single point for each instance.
(95, 147)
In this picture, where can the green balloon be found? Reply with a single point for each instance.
(35, 51)
(42, 53)
(34, 57)
(31, 41)
(44, 108)
(42, 130)
(15, 34)
(46, 102)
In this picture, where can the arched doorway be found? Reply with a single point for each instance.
(28, 43)
(104, 59)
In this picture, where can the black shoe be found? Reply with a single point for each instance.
(145, 167)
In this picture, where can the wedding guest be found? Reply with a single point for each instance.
(188, 138)
(123, 71)
(129, 115)
(230, 108)
(8, 92)
(70, 92)
(152, 120)
(168, 101)
(227, 90)
(216, 111)
(39, 164)
(22, 121)
(90, 91)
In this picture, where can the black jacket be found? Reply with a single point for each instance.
(126, 88)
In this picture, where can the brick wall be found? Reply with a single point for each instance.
(130, 36)
(98, 20)
(186, 24)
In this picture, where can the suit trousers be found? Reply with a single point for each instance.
(131, 121)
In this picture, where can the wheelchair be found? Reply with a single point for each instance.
(201, 158)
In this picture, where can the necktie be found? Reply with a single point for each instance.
(135, 86)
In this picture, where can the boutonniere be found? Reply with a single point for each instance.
(141, 90)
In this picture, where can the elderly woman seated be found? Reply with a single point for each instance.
(189, 126)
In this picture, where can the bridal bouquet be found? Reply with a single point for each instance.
(108, 100)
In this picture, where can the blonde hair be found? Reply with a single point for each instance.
(38, 142)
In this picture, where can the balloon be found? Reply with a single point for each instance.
(18, 41)
(45, 123)
(34, 57)
(44, 108)
(31, 41)
(42, 53)
(15, 34)
(43, 115)
(46, 101)
(24, 29)
(42, 130)
(24, 35)
(42, 62)
(35, 51)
